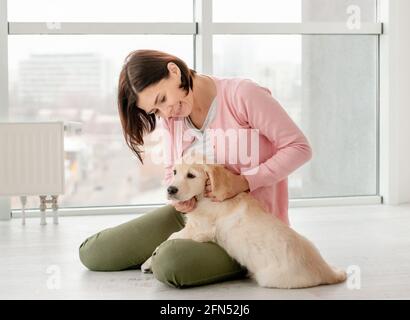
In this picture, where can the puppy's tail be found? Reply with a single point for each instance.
(336, 275)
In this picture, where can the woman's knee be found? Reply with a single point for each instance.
(104, 252)
(167, 263)
(90, 253)
(183, 263)
(107, 251)
(84, 253)
(129, 244)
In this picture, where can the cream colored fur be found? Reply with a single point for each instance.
(275, 255)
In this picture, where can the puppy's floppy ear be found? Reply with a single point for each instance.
(218, 177)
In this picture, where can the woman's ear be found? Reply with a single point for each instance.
(218, 176)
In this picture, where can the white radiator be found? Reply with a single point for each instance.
(32, 161)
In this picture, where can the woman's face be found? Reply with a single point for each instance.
(165, 98)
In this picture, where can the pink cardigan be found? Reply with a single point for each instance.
(243, 104)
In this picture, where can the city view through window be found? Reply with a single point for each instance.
(74, 78)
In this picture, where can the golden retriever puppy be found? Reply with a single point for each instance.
(275, 255)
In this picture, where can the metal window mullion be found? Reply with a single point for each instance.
(4, 100)
(5, 203)
(19, 28)
(295, 28)
(378, 90)
(204, 28)
(203, 45)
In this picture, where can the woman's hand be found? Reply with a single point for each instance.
(236, 184)
(184, 206)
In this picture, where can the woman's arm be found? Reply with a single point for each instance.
(257, 107)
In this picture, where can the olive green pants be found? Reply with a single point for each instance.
(178, 262)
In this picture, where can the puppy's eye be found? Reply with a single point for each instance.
(190, 176)
(175, 172)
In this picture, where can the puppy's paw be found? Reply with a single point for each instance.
(146, 266)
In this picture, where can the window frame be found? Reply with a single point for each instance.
(202, 28)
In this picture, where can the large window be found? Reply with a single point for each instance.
(331, 98)
(74, 78)
(326, 79)
(326, 82)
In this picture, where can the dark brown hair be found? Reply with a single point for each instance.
(141, 69)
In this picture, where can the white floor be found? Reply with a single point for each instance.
(42, 262)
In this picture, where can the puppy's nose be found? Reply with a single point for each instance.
(172, 190)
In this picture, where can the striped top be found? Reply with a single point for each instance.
(202, 143)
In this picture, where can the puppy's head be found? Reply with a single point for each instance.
(190, 178)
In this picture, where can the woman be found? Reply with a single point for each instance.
(156, 85)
